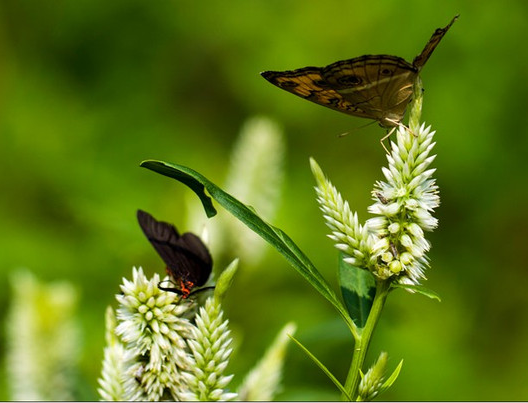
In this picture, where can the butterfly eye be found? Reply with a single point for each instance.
(350, 80)
(386, 72)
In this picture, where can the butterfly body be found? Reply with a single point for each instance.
(188, 261)
(376, 87)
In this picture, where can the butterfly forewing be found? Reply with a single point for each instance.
(420, 60)
(186, 257)
(158, 231)
(309, 84)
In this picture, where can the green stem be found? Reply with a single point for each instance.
(362, 342)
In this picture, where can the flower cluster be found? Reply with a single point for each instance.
(111, 387)
(42, 339)
(210, 354)
(158, 348)
(392, 244)
(372, 382)
(153, 330)
(351, 237)
(403, 205)
(263, 381)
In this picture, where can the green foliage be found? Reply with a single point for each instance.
(88, 89)
(420, 289)
(358, 288)
(323, 368)
(391, 379)
(274, 236)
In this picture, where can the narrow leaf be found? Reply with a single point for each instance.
(391, 379)
(420, 289)
(358, 288)
(323, 368)
(188, 177)
(274, 236)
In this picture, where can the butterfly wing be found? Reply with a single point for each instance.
(186, 257)
(433, 42)
(199, 257)
(308, 83)
(161, 235)
(375, 87)
(379, 85)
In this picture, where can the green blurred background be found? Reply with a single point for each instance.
(88, 89)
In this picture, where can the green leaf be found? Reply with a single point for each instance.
(188, 177)
(325, 370)
(420, 289)
(391, 379)
(358, 288)
(274, 236)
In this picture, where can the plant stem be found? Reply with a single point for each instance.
(362, 342)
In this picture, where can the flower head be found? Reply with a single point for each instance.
(372, 382)
(153, 330)
(404, 203)
(160, 348)
(263, 381)
(42, 339)
(391, 244)
(351, 237)
(110, 385)
(210, 352)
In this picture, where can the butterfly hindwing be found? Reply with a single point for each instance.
(380, 86)
(200, 259)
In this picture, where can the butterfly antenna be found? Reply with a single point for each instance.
(356, 128)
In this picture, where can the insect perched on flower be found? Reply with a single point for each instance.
(375, 87)
(188, 260)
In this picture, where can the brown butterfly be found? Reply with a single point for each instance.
(376, 87)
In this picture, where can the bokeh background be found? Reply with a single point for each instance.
(88, 89)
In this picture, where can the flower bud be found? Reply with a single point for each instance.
(406, 258)
(387, 257)
(372, 381)
(394, 228)
(415, 230)
(395, 266)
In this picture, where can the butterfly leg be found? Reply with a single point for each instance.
(400, 124)
(397, 124)
(386, 137)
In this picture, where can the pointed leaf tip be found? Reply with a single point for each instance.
(420, 289)
(188, 177)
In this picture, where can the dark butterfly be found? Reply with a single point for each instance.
(188, 261)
